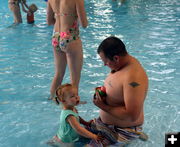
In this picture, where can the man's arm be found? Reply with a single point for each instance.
(133, 100)
(86, 123)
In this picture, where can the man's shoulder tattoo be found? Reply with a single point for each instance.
(134, 84)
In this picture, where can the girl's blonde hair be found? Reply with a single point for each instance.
(62, 89)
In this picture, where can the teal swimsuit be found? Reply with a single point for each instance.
(66, 133)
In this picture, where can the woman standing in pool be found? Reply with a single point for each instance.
(15, 8)
(64, 15)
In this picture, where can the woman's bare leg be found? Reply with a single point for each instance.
(74, 56)
(16, 12)
(60, 68)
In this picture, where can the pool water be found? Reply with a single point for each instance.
(151, 32)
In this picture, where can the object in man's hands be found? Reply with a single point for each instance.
(101, 90)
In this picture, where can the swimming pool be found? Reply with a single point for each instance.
(151, 32)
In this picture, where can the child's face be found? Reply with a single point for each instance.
(71, 97)
(32, 8)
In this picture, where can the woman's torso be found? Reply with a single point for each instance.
(14, 1)
(65, 14)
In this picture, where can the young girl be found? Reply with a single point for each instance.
(70, 128)
(30, 12)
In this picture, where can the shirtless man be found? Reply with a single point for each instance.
(126, 87)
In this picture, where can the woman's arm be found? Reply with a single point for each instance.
(24, 2)
(81, 13)
(23, 8)
(50, 15)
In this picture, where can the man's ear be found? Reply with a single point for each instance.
(116, 58)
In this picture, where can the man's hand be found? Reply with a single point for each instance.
(87, 123)
(99, 101)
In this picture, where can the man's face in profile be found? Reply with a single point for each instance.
(107, 61)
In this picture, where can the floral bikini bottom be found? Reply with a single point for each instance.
(61, 40)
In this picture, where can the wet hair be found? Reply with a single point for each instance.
(112, 46)
(62, 89)
(33, 8)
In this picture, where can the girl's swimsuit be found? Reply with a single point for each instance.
(30, 18)
(61, 40)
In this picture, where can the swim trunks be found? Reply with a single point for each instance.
(114, 135)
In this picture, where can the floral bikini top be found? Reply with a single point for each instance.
(74, 25)
(65, 14)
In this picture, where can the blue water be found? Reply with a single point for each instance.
(151, 32)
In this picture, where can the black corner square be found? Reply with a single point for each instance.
(172, 139)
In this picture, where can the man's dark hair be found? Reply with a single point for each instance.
(112, 46)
